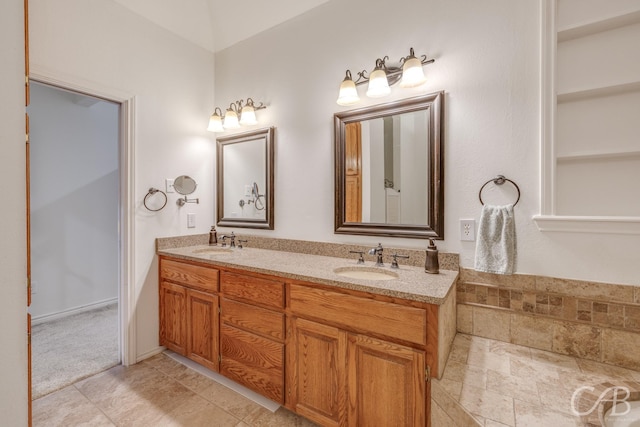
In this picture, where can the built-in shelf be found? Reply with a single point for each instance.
(597, 92)
(597, 156)
(589, 224)
(599, 26)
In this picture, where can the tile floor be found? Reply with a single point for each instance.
(156, 392)
(485, 383)
(502, 384)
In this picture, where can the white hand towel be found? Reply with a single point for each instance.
(496, 250)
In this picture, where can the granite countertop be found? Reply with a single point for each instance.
(412, 282)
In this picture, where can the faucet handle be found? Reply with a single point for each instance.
(240, 242)
(224, 240)
(360, 258)
(394, 263)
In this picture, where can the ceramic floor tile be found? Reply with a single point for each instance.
(197, 412)
(510, 386)
(491, 423)
(536, 371)
(465, 374)
(439, 417)
(136, 395)
(67, 407)
(554, 360)
(513, 350)
(607, 371)
(529, 415)
(281, 418)
(488, 404)
(485, 359)
(232, 402)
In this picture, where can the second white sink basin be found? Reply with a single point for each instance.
(365, 273)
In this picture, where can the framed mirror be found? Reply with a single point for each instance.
(245, 179)
(389, 169)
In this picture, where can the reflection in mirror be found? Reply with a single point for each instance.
(389, 178)
(245, 180)
(184, 185)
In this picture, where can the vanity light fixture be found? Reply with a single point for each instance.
(239, 113)
(409, 72)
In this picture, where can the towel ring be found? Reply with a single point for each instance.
(151, 192)
(499, 180)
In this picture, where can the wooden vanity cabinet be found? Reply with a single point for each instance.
(252, 332)
(334, 356)
(189, 311)
(346, 364)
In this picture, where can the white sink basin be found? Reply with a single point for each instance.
(365, 273)
(211, 251)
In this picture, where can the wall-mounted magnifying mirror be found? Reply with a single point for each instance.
(389, 169)
(185, 185)
(245, 179)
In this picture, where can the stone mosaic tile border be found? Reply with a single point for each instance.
(597, 304)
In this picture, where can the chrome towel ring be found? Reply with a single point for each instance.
(151, 192)
(499, 180)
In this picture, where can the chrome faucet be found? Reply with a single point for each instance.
(231, 237)
(377, 251)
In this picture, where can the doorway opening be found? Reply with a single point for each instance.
(76, 235)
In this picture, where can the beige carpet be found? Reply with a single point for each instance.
(72, 348)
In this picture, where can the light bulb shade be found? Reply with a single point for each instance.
(230, 120)
(215, 123)
(412, 73)
(348, 94)
(378, 84)
(248, 116)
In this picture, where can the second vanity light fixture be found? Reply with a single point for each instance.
(409, 73)
(239, 113)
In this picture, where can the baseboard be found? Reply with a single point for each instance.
(69, 312)
(150, 353)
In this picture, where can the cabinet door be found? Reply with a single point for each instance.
(202, 330)
(316, 361)
(386, 383)
(173, 317)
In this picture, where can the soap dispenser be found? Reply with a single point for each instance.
(213, 236)
(431, 262)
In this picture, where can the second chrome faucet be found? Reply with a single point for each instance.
(377, 251)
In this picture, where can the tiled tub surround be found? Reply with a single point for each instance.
(495, 384)
(594, 321)
(447, 261)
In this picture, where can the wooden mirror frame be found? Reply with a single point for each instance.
(434, 228)
(266, 223)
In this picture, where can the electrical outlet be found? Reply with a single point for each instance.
(247, 190)
(169, 186)
(191, 220)
(34, 287)
(468, 229)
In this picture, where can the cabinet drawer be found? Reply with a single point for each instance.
(361, 314)
(188, 274)
(253, 289)
(256, 362)
(254, 319)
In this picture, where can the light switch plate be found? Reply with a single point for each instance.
(468, 229)
(169, 186)
(191, 220)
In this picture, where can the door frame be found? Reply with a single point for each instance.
(126, 219)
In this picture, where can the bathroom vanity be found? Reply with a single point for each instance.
(292, 327)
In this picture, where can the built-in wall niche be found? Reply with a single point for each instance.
(591, 99)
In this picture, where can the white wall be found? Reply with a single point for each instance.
(74, 201)
(13, 303)
(487, 61)
(100, 44)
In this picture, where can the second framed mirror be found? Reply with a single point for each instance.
(245, 179)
